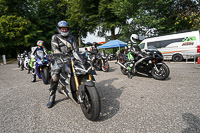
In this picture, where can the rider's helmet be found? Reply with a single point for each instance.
(63, 28)
(134, 38)
(40, 43)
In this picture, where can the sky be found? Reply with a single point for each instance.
(92, 38)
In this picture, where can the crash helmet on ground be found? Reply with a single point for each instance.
(63, 28)
(134, 38)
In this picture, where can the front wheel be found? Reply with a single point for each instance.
(45, 75)
(106, 67)
(161, 73)
(91, 104)
(22, 66)
(123, 70)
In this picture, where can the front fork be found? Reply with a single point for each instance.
(156, 68)
(77, 82)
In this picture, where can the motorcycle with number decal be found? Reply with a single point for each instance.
(149, 62)
(78, 85)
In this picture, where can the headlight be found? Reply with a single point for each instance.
(150, 61)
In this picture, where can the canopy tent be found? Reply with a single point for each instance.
(89, 43)
(102, 42)
(99, 43)
(113, 44)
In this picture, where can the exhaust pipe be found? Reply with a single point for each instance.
(121, 65)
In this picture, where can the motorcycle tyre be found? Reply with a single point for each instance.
(45, 76)
(106, 69)
(92, 98)
(22, 66)
(167, 72)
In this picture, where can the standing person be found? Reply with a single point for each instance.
(94, 51)
(37, 51)
(103, 53)
(130, 53)
(63, 42)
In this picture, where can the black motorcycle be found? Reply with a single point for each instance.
(79, 85)
(149, 62)
(100, 62)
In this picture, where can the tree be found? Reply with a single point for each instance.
(83, 17)
(163, 16)
(109, 21)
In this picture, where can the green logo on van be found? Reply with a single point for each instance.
(192, 38)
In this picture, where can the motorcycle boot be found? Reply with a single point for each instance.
(51, 99)
(33, 76)
(130, 75)
(131, 70)
(29, 70)
(53, 88)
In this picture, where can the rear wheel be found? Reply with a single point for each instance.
(91, 104)
(106, 67)
(162, 73)
(177, 57)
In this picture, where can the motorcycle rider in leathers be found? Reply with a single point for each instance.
(60, 43)
(94, 51)
(130, 53)
(36, 51)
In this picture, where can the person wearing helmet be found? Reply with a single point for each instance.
(134, 39)
(131, 51)
(94, 51)
(37, 51)
(23, 55)
(65, 43)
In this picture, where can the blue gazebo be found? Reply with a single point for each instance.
(113, 44)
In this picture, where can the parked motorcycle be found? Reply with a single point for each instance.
(22, 62)
(27, 63)
(78, 85)
(42, 68)
(149, 62)
(100, 62)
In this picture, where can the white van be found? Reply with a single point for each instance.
(175, 47)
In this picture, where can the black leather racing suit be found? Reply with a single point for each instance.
(60, 44)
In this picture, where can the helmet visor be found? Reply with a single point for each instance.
(64, 29)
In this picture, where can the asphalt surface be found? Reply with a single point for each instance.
(138, 105)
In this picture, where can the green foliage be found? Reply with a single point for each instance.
(164, 16)
(24, 22)
(12, 30)
(109, 21)
(83, 17)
